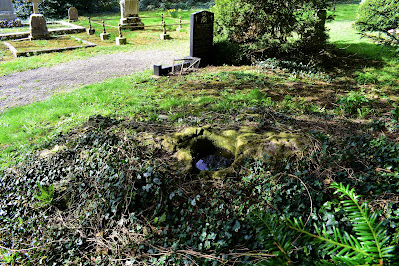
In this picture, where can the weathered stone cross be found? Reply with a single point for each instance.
(35, 7)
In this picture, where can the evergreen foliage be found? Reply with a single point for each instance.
(368, 243)
(271, 25)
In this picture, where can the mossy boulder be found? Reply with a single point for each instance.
(193, 142)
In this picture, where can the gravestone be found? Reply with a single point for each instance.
(201, 36)
(73, 14)
(130, 15)
(35, 6)
(37, 23)
(6, 10)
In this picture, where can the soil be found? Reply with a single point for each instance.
(23, 88)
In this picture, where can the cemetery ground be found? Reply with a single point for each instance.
(137, 40)
(88, 177)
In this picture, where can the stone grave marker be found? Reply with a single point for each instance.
(120, 40)
(201, 36)
(35, 6)
(104, 35)
(37, 23)
(164, 35)
(6, 10)
(130, 15)
(90, 30)
(73, 14)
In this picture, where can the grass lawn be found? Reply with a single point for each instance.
(103, 169)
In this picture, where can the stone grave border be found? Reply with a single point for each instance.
(44, 51)
(71, 29)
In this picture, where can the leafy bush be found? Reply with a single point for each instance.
(380, 16)
(271, 25)
(369, 244)
(355, 103)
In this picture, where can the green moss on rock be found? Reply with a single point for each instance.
(242, 143)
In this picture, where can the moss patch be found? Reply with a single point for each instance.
(242, 143)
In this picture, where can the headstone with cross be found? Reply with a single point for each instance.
(130, 15)
(37, 23)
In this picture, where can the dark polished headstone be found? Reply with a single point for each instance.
(201, 36)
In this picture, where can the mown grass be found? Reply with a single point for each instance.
(139, 95)
(383, 68)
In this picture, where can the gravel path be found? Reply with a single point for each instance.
(35, 85)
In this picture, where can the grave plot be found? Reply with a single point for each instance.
(54, 28)
(27, 47)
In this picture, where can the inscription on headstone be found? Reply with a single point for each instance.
(7, 10)
(201, 37)
(73, 14)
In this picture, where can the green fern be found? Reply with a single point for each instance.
(370, 243)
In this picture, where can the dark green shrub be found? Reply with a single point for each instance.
(187, 4)
(271, 26)
(59, 9)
